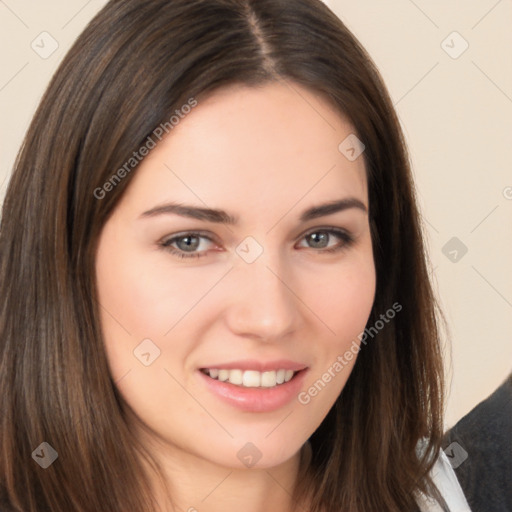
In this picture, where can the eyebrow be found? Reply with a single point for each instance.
(222, 217)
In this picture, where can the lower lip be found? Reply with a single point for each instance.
(256, 399)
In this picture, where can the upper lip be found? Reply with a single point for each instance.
(259, 366)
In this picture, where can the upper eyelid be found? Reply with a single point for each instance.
(332, 229)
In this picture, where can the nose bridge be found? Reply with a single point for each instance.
(263, 306)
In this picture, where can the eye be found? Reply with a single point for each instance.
(196, 245)
(187, 245)
(321, 239)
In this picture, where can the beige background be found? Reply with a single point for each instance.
(457, 117)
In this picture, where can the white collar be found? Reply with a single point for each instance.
(446, 481)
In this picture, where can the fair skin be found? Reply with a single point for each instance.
(265, 156)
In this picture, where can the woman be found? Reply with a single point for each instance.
(214, 284)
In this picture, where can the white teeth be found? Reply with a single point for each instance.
(251, 378)
(268, 379)
(236, 377)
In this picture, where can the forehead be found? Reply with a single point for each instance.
(252, 148)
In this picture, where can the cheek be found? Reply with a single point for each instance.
(342, 297)
(142, 297)
(139, 293)
(343, 300)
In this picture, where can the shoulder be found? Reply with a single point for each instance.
(481, 446)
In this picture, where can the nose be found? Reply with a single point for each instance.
(263, 305)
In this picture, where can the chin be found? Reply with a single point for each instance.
(253, 455)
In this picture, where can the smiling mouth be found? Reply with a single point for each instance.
(251, 378)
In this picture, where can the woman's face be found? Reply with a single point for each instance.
(222, 262)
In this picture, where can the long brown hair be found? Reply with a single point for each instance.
(133, 66)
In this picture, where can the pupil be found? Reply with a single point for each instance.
(318, 239)
(190, 243)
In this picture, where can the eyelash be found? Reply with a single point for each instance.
(344, 236)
